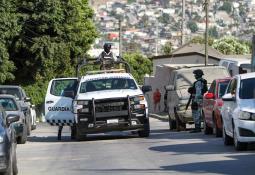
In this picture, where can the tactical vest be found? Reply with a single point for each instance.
(107, 56)
(204, 86)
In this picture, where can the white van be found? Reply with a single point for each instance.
(236, 66)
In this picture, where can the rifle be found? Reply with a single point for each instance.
(187, 105)
(191, 91)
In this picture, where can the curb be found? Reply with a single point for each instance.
(159, 117)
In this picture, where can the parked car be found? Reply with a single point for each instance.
(11, 106)
(212, 104)
(236, 65)
(180, 79)
(238, 111)
(8, 144)
(25, 103)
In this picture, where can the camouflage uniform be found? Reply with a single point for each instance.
(199, 88)
(197, 101)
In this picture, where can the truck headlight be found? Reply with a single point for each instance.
(140, 106)
(82, 102)
(139, 99)
(84, 110)
(244, 115)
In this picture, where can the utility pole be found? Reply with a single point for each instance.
(253, 54)
(157, 38)
(120, 38)
(206, 31)
(183, 21)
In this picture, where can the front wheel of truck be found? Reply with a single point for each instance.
(146, 131)
(78, 135)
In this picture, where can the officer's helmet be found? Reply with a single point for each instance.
(107, 47)
(198, 73)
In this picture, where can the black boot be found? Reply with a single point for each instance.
(60, 132)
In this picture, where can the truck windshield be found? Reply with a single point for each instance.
(107, 84)
(247, 89)
(12, 91)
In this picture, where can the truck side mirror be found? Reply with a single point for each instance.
(27, 99)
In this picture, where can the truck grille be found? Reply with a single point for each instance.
(110, 105)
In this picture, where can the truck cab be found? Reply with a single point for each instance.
(100, 101)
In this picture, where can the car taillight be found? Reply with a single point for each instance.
(220, 103)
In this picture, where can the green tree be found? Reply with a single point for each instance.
(140, 65)
(227, 6)
(213, 32)
(192, 26)
(167, 48)
(165, 18)
(54, 34)
(201, 40)
(8, 30)
(231, 45)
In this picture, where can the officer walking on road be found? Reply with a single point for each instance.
(197, 91)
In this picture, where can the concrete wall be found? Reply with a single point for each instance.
(193, 59)
(159, 80)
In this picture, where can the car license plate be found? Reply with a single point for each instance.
(111, 121)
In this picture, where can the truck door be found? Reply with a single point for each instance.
(58, 108)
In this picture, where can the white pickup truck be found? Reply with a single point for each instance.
(98, 102)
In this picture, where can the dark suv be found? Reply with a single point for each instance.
(8, 161)
(24, 102)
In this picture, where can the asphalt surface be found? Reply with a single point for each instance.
(118, 153)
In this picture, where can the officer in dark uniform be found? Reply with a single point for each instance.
(197, 91)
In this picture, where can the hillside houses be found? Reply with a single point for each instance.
(146, 25)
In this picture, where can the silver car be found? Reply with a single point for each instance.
(11, 106)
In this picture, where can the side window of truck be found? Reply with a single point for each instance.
(59, 86)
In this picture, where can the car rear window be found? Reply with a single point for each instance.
(247, 88)
(11, 91)
(8, 104)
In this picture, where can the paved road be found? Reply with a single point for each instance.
(163, 153)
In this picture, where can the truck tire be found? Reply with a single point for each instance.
(28, 127)
(207, 130)
(73, 132)
(78, 135)
(218, 131)
(239, 146)
(172, 123)
(22, 139)
(146, 131)
(33, 127)
(227, 140)
(179, 124)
